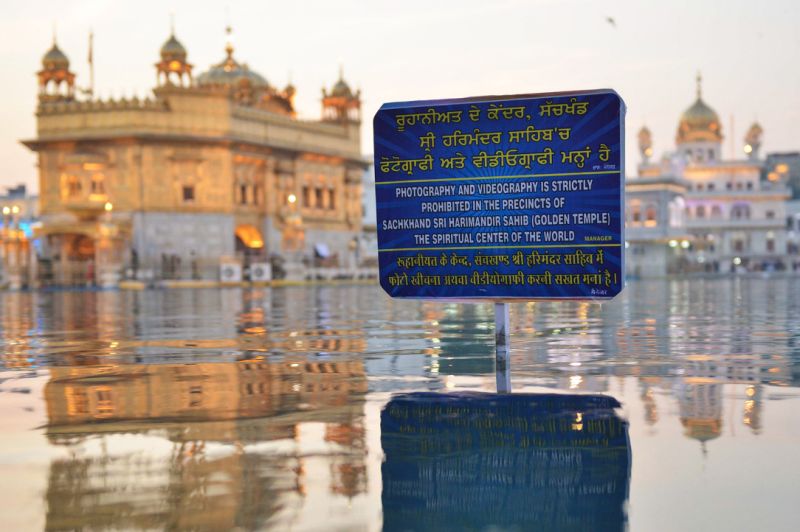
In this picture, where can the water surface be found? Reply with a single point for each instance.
(263, 409)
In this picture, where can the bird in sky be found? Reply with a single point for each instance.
(611, 21)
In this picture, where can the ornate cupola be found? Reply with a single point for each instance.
(173, 69)
(244, 84)
(699, 135)
(752, 140)
(341, 104)
(645, 144)
(56, 82)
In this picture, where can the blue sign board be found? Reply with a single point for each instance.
(478, 461)
(501, 197)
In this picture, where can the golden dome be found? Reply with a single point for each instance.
(645, 138)
(55, 59)
(699, 122)
(231, 73)
(173, 50)
(753, 135)
(342, 89)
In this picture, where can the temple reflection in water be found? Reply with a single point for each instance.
(261, 408)
(212, 415)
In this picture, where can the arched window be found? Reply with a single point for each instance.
(73, 186)
(650, 215)
(740, 211)
(331, 199)
(716, 211)
(701, 211)
(98, 184)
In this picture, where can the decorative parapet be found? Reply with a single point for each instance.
(281, 131)
(253, 113)
(111, 104)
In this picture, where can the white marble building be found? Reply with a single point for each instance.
(692, 211)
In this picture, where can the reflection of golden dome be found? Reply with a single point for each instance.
(699, 122)
(702, 429)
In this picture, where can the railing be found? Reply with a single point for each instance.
(742, 223)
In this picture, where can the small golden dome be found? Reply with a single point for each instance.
(173, 50)
(645, 138)
(55, 59)
(755, 132)
(342, 89)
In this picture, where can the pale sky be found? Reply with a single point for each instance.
(748, 52)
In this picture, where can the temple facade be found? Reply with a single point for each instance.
(211, 177)
(693, 211)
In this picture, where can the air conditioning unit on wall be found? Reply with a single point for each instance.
(260, 271)
(230, 272)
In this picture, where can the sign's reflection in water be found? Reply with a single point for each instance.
(477, 461)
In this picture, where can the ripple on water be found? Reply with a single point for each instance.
(261, 408)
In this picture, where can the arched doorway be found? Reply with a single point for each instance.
(249, 245)
(71, 261)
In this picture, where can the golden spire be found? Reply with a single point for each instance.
(228, 32)
(699, 85)
(229, 43)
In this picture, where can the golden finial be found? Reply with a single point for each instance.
(699, 85)
(172, 23)
(228, 32)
